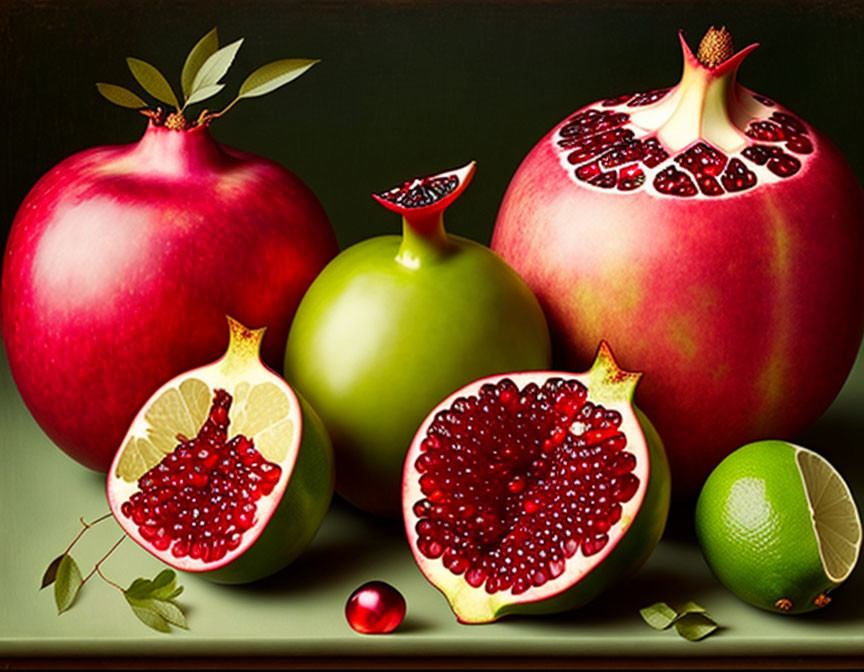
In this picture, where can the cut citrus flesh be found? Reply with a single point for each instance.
(835, 517)
(261, 409)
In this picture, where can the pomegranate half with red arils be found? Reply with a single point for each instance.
(123, 261)
(225, 470)
(711, 234)
(533, 492)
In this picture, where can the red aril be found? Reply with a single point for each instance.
(123, 261)
(714, 237)
(375, 608)
(533, 492)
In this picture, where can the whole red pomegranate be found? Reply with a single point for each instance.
(714, 237)
(123, 261)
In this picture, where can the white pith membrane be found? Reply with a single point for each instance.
(522, 492)
(263, 410)
(706, 137)
(432, 193)
(834, 514)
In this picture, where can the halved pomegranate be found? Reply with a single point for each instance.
(532, 492)
(225, 470)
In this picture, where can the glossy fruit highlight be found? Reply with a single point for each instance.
(709, 233)
(375, 608)
(393, 325)
(123, 261)
(533, 492)
(225, 470)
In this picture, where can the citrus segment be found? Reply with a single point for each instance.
(835, 518)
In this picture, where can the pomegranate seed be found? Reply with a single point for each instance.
(375, 608)
(185, 502)
(478, 527)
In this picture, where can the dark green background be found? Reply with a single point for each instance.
(406, 88)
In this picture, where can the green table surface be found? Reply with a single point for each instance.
(299, 612)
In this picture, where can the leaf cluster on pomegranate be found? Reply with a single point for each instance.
(123, 260)
(533, 492)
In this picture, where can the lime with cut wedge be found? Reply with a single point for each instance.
(778, 526)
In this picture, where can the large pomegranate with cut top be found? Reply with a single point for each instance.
(715, 237)
(533, 492)
(123, 261)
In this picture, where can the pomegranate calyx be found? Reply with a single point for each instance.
(422, 202)
(715, 47)
(609, 382)
(704, 105)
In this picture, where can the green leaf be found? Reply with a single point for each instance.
(695, 626)
(216, 65)
(151, 619)
(273, 75)
(164, 585)
(152, 81)
(204, 93)
(120, 96)
(152, 601)
(139, 588)
(67, 584)
(204, 49)
(51, 573)
(167, 610)
(659, 615)
(688, 608)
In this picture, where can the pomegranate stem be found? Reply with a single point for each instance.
(97, 567)
(423, 238)
(87, 526)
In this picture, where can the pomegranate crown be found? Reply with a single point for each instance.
(200, 80)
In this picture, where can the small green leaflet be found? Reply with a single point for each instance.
(50, 574)
(695, 626)
(690, 619)
(120, 96)
(269, 77)
(67, 582)
(204, 93)
(204, 49)
(215, 67)
(153, 601)
(152, 81)
(659, 615)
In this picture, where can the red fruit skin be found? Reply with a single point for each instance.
(745, 312)
(122, 263)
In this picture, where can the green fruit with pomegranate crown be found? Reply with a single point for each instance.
(394, 324)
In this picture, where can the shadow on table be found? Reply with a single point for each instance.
(348, 541)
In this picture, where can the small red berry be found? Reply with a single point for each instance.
(375, 608)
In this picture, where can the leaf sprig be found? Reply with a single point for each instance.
(691, 620)
(200, 79)
(152, 601)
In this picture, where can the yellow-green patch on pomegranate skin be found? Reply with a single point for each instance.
(392, 326)
(578, 577)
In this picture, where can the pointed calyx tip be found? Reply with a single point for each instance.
(715, 48)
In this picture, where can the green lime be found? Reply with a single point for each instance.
(778, 526)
